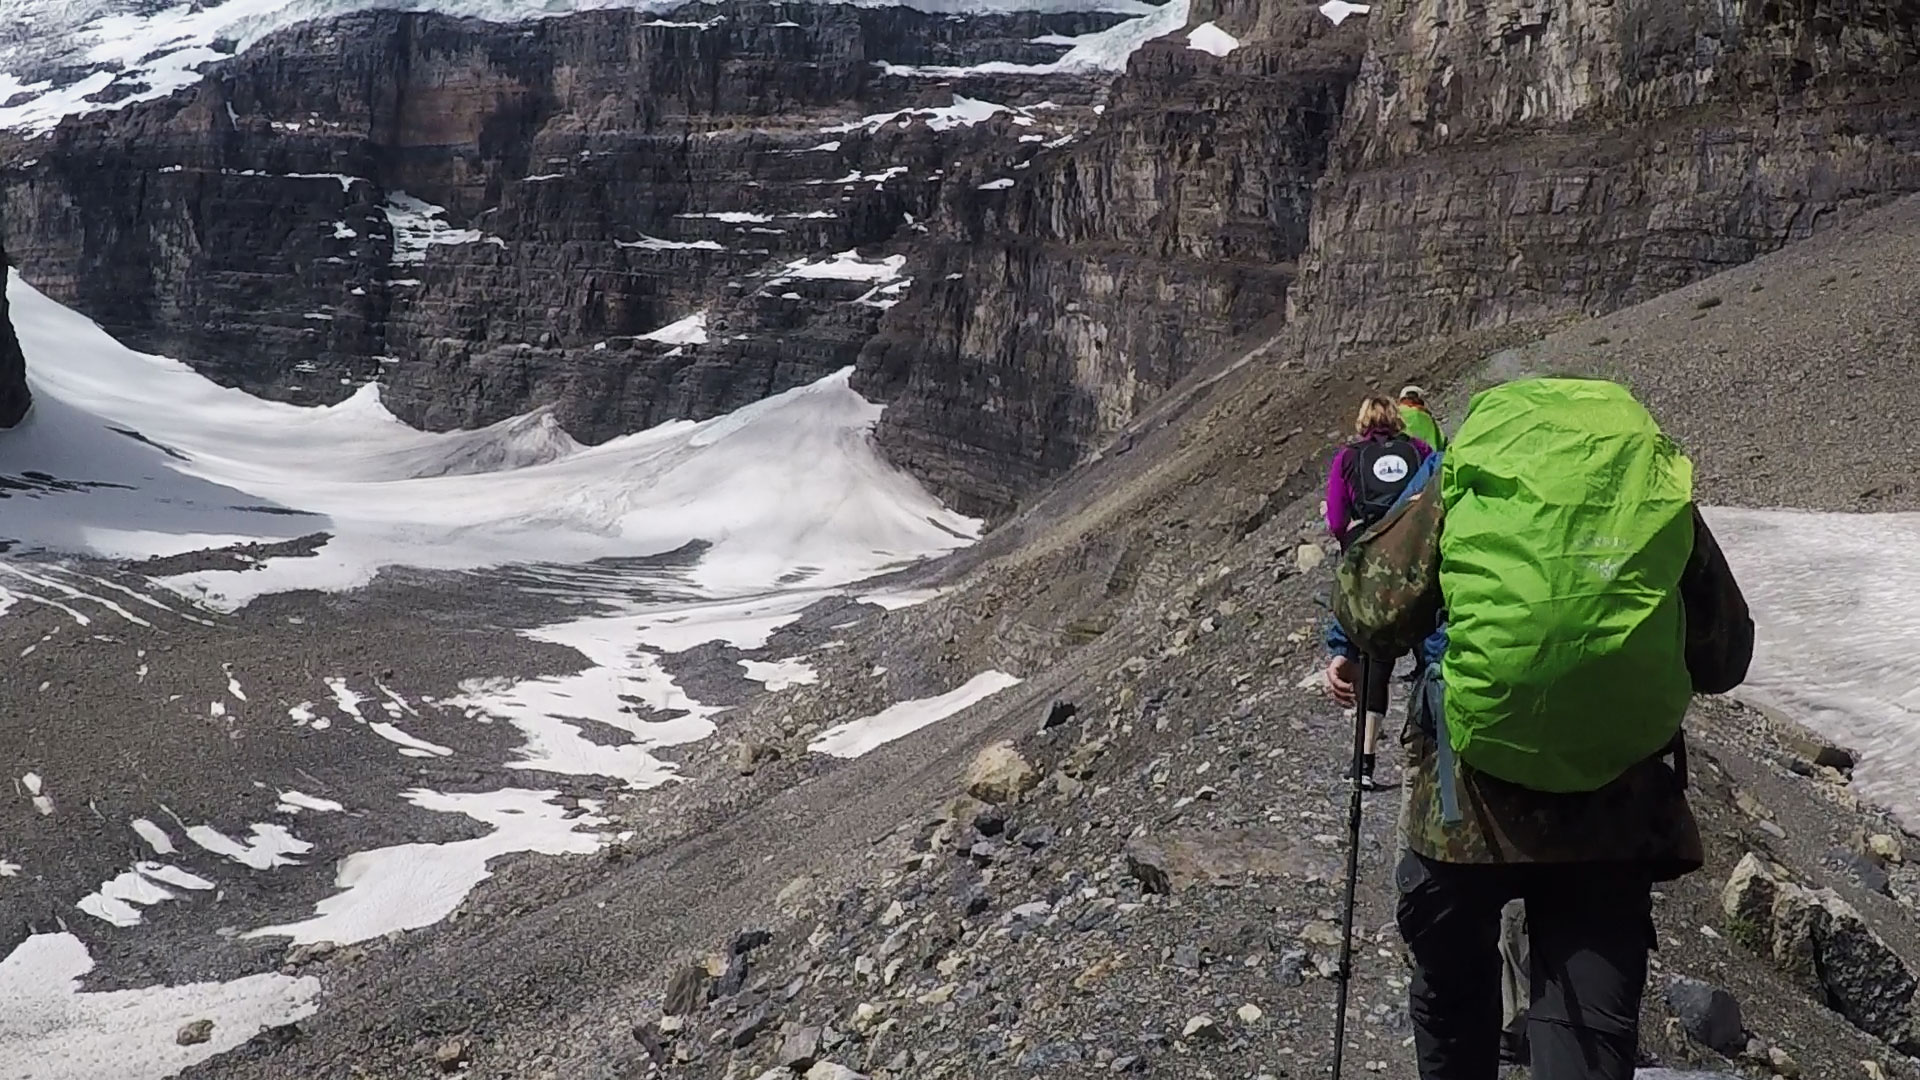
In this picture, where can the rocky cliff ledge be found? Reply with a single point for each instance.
(1519, 159)
(1055, 309)
(628, 217)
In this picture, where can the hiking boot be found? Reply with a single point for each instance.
(1367, 782)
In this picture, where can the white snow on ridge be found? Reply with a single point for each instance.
(268, 847)
(417, 226)
(691, 330)
(848, 266)
(1209, 38)
(59, 1032)
(654, 243)
(786, 483)
(964, 112)
(1105, 50)
(1835, 624)
(856, 737)
(155, 836)
(1339, 11)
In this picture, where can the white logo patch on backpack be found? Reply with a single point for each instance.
(1391, 468)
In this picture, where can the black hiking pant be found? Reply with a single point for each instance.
(1589, 930)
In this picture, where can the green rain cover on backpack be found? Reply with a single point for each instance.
(1568, 524)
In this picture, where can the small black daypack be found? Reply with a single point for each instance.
(1377, 472)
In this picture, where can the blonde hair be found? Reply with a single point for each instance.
(1379, 414)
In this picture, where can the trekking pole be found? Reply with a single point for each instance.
(1353, 862)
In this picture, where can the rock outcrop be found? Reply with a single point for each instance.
(1507, 162)
(1517, 160)
(1821, 943)
(1057, 308)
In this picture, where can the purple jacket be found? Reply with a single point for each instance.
(1340, 509)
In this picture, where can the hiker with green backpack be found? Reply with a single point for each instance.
(1419, 419)
(1584, 602)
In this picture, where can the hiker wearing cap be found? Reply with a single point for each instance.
(1367, 477)
(1584, 602)
(1419, 419)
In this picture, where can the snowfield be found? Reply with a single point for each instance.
(1837, 633)
(789, 485)
(787, 502)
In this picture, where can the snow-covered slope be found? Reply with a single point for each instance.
(59, 57)
(152, 459)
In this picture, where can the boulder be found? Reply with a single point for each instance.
(194, 1034)
(1824, 945)
(1000, 774)
(1747, 903)
(1710, 1015)
(1223, 857)
(688, 990)
(827, 1070)
(799, 1048)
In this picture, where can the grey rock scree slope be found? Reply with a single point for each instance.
(301, 785)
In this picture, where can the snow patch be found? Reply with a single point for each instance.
(895, 599)
(292, 802)
(417, 226)
(856, 737)
(691, 330)
(1001, 184)
(734, 217)
(345, 698)
(1835, 625)
(394, 735)
(779, 675)
(964, 112)
(414, 885)
(57, 1031)
(1338, 11)
(155, 836)
(1209, 38)
(654, 243)
(1105, 50)
(37, 794)
(270, 846)
(848, 266)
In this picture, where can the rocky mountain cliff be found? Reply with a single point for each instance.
(1056, 312)
(1430, 170)
(631, 218)
(1517, 160)
(626, 217)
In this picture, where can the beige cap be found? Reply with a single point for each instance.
(1411, 392)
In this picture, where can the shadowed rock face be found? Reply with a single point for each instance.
(489, 218)
(1055, 310)
(1518, 159)
(14, 395)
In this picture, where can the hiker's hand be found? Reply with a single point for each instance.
(1341, 673)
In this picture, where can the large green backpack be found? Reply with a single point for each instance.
(1569, 520)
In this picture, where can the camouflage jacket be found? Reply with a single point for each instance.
(1642, 817)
